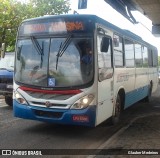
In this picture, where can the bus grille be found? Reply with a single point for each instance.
(48, 114)
(48, 96)
(51, 104)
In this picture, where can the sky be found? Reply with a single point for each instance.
(105, 11)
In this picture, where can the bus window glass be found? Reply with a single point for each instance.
(145, 56)
(118, 51)
(75, 66)
(155, 58)
(104, 58)
(138, 55)
(65, 67)
(129, 53)
(150, 57)
(31, 68)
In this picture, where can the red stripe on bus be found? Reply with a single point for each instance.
(75, 91)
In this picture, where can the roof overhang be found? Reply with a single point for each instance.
(149, 8)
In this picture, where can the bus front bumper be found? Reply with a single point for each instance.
(84, 117)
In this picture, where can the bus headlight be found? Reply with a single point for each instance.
(83, 102)
(19, 98)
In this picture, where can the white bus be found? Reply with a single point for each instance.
(80, 70)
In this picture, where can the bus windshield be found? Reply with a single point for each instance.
(54, 62)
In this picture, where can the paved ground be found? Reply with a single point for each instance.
(140, 138)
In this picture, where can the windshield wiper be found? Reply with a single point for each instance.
(62, 48)
(38, 48)
(36, 45)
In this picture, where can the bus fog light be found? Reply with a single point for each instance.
(83, 102)
(19, 98)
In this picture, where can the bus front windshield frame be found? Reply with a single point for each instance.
(54, 62)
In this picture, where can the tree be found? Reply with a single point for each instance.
(10, 18)
(13, 12)
(50, 7)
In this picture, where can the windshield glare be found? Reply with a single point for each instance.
(7, 62)
(61, 63)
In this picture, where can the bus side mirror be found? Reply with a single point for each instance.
(3, 50)
(82, 4)
(105, 44)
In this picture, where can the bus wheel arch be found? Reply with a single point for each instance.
(119, 106)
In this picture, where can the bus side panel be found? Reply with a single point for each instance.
(135, 95)
(125, 79)
(142, 78)
(140, 87)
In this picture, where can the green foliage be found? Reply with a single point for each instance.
(50, 7)
(12, 12)
(159, 61)
(10, 18)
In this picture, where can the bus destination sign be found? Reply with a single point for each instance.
(52, 27)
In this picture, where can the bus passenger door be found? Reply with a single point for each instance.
(105, 78)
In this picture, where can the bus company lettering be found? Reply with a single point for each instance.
(122, 77)
(53, 27)
(35, 28)
(71, 26)
(66, 26)
(57, 27)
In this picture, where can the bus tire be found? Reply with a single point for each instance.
(147, 99)
(9, 100)
(118, 109)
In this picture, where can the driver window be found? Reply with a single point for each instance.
(104, 57)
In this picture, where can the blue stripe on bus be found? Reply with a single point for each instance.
(85, 117)
(136, 95)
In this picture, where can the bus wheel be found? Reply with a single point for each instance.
(148, 98)
(118, 108)
(9, 100)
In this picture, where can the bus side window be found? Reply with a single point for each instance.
(129, 53)
(138, 55)
(118, 50)
(105, 44)
(104, 52)
(104, 57)
(145, 56)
